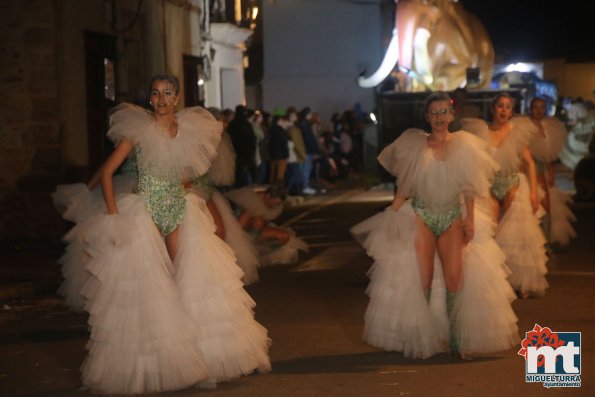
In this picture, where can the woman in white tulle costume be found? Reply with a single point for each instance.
(222, 173)
(438, 281)
(256, 209)
(514, 195)
(545, 146)
(167, 308)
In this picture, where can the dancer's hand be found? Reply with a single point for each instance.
(469, 229)
(534, 202)
(397, 202)
(395, 206)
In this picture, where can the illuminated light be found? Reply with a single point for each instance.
(254, 12)
(373, 118)
(518, 67)
(200, 82)
(421, 55)
(388, 63)
(238, 11)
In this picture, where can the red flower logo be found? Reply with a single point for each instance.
(539, 337)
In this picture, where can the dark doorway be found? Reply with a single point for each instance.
(194, 81)
(100, 68)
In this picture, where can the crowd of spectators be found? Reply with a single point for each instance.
(294, 147)
(579, 152)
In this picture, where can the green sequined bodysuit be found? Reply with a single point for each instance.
(164, 199)
(437, 221)
(130, 167)
(502, 183)
(205, 184)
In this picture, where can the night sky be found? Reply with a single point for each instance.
(525, 30)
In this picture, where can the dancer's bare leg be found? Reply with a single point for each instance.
(219, 226)
(545, 202)
(274, 233)
(450, 249)
(495, 205)
(171, 242)
(425, 248)
(508, 199)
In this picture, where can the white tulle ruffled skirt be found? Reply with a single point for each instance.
(157, 325)
(79, 205)
(520, 236)
(561, 229)
(400, 318)
(238, 239)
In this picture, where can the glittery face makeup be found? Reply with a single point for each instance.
(439, 114)
(503, 109)
(164, 97)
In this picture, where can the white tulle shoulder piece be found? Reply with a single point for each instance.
(400, 158)
(546, 148)
(476, 126)
(183, 157)
(248, 199)
(470, 164)
(222, 171)
(507, 155)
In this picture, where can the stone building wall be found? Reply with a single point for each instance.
(44, 130)
(30, 140)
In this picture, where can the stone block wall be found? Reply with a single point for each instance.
(30, 144)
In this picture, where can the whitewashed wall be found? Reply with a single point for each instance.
(314, 50)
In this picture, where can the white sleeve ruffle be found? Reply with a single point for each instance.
(470, 163)
(184, 157)
(247, 199)
(222, 171)
(476, 127)
(547, 149)
(400, 158)
(509, 153)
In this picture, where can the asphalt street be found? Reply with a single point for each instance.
(314, 312)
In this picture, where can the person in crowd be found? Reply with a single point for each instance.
(311, 144)
(584, 176)
(256, 120)
(227, 116)
(514, 195)
(462, 108)
(294, 176)
(256, 210)
(244, 143)
(438, 275)
(279, 148)
(581, 129)
(545, 147)
(264, 150)
(163, 288)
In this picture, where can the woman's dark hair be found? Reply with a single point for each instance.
(216, 112)
(497, 98)
(537, 99)
(173, 80)
(277, 190)
(434, 97)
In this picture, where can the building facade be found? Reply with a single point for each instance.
(65, 64)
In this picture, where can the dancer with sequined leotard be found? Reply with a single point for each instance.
(165, 297)
(221, 174)
(545, 147)
(438, 275)
(514, 195)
